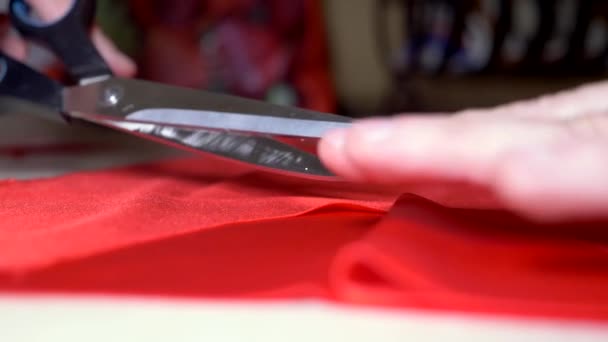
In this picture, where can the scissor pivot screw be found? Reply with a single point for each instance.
(112, 95)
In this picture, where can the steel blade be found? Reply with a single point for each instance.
(148, 102)
(237, 122)
(257, 151)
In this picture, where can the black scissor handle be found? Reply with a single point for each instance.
(21, 82)
(68, 37)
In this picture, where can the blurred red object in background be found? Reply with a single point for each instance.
(273, 50)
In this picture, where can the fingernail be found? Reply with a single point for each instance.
(334, 140)
(373, 132)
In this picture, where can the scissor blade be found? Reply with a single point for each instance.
(237, 122)
(257, 151)
(148, 102)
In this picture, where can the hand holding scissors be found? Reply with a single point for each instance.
(277, 138)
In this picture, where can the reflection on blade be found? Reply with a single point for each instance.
(261, 124)
(121, 98)
(258, 151)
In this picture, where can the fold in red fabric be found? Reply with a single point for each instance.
(278, 258)
(425, 255)
(275, 238)
(45, 221)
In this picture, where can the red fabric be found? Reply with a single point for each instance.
(426, 255)
(277, 258)
(168, 230)
(45, 221)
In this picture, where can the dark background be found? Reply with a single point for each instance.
(366, 57)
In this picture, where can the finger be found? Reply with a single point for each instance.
(10, 42)
(332, 152)
(561, 181)
(49, 10)
(404, 149)
(120, 64)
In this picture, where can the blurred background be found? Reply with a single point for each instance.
(352, 57)
(365, 57)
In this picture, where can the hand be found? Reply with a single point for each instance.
(545, 158)
(13, 45)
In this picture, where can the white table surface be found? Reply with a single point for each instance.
(32, 319)
(36, 318)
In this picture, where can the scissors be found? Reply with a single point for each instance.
(274, 138)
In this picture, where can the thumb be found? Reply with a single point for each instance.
(562, 181)
(10, 42)
(120, 63)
